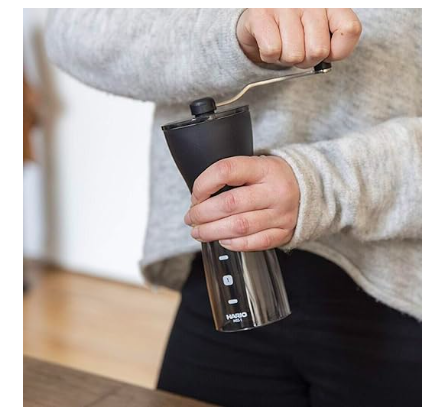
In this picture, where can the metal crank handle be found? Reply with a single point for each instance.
(322, 68)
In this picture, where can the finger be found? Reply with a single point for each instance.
(292, 37)
(246, 39)
(267, 35)
(317, 36)
(236, 226)
(346, 30)
(263, 240)
(239, 200)
(234, 171)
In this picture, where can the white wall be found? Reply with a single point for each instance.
(85, 203)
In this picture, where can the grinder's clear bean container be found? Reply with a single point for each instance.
(246, 289)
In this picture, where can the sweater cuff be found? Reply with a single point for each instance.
(309, 214)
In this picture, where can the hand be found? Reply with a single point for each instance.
(300, 37)
(258, 215)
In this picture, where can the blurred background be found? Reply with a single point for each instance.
(85, 196)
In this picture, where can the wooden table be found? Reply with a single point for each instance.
(48, 384)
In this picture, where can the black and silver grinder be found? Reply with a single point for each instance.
(246, 289)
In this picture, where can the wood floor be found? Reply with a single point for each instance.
(97, 325)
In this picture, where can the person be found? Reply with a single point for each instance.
(335, 185)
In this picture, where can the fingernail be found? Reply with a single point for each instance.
(225, 242)
(187, 219)
(194, 233)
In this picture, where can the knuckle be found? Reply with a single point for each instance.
(284, 189)
(244, 244)
(229, 202)
(225, 168)
(288, 221)
(270, 53)
(319, 52)
(267, 240)
(352, 27)
(241, 225)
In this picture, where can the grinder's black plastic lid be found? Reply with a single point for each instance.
(204, 110)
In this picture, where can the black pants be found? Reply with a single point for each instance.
(339, 347)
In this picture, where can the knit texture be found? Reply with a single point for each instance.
(352, 137)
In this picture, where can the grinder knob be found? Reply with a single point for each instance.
(203, 106)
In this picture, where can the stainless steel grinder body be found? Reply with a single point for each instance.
(246, 289)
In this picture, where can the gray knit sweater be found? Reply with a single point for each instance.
(352, 137)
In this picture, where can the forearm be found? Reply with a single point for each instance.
(160, 55)
(366, 184)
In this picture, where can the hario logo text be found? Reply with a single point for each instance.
(236, 316)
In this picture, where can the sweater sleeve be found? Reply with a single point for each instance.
(159, 55)
(367, 184)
